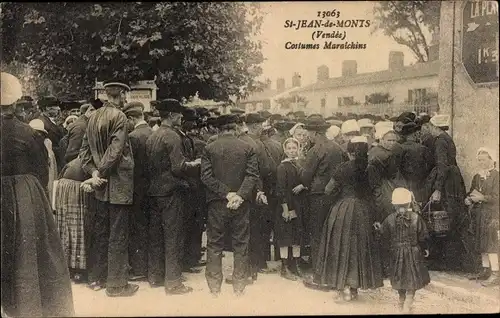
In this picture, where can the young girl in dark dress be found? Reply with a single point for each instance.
(408, 236)
(288, 222)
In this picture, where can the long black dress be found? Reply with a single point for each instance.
(35, 276)
(486, 213)
(347, 256)
(407, 235)
(288, 177)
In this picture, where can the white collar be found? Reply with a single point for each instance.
(140, 123)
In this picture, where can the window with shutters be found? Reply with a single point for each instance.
(418, 96)
(323, 103)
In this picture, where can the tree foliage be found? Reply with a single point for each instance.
(286, 102)
(379, 98)
(190, 47)
(407, 22)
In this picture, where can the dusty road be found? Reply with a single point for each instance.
(271, 295)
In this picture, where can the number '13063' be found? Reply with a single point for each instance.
(329, 14)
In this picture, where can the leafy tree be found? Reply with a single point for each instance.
(191, 47)
(407, 21)
(286, 102)
(379, 98)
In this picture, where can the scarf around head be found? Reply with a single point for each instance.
(484, 173)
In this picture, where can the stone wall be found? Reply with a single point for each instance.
(474, 110)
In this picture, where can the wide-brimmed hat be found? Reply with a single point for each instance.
(254, 118)
(265, 114)
(317, 124)
(49, 101)
(409, 128)
(284, 125)
(168, 105)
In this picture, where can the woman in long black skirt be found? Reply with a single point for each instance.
(35, 276)
(347, 259)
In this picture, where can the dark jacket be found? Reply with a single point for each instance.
(75, 137)
(138, 138)
(320, 164)
(167, 168)
(275, 154)
(228, 165)
(106, 148)
(22, 151)
(55, 134)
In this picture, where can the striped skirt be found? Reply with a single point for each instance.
(74, 208)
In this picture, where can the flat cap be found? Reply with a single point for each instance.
(116, 83)
(133, 109)
(169, 105)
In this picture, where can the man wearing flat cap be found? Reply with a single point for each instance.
(76, 131)
(320, 163)
(170, 171)
(139, 218)
(229, 170)
(106, 154)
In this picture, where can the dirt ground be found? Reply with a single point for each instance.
(270, 295)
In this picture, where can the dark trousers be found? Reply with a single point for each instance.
(166, 239)
(220, 218)
(138, 236)
(109, 247)
(319, 207)
(193, 229)
(268, 227)
(257, 251)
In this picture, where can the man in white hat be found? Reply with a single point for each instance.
(35, 276)
(106, 155)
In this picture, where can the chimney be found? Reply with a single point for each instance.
(396, 60)
(433, 53)
(349, 68)
(296, 80)
(280, 85)
(268, 83)
(323, 73)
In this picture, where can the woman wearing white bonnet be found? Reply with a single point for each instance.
(35, 276)
(484, 204)
(446, 186)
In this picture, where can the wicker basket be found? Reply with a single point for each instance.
(438, 222)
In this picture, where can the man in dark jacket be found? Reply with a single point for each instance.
(106, 154)
(50, 110)
(196, 208)
(76, 131)
(259, 209)
(229, 171)
(320, 164)
(139, 218)
(169, 171)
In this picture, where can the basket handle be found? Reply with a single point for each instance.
(427, 206)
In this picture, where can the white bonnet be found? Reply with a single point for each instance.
(297, 125)
(349, 126)
(489, 151)
(332, 132)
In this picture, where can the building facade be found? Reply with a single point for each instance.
(390, 91)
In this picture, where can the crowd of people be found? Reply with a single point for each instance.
(106, 194)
